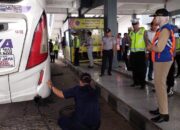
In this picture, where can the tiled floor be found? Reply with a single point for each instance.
(140, 100)
(129, 73)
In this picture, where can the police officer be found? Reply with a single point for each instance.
(56, 49)
(138, 42)
(76, 43)
(108, 46)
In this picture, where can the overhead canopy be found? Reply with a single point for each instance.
(124, 7)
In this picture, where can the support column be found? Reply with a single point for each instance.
(110, 21)
(110, 15)
(80, 15)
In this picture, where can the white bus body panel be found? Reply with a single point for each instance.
(17, 83)
(4, 90)
(24, 85)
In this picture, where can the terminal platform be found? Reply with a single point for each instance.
(133, 103)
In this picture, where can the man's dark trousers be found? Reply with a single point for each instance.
(138, 64)
(76, 57)
(107, 55)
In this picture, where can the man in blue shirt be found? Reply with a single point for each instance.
(87, 110)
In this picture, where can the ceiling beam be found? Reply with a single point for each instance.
(60, 6)
(58, 1)
(56, 10)
(96, 11)
(176, 12)
(141, 1)
(95, 3)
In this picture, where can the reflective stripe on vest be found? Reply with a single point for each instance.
(76, 42)
(170, 43)
(137, 40)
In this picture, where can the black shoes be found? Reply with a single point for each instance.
(177, 75)
(161, 118)
(90, 67)
(142, 87)
(133, 85)
(154, 112)
(109, 73)
(150, 78)
(170, 92)
(101, 75)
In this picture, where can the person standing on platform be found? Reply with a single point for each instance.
(170, 80)
(119, 47)
(125, 48)
(163, 49)
(63, 44)
(151, 33)
(170, 77)
(52, 55)
(89, 45)
(108, 46)
(56, 49)
(177, 58)
(76, 43)
(138, 42)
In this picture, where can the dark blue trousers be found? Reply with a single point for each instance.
(69, 123)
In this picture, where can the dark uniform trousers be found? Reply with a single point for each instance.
(170, 77)
(107, 55)
(138, 64)
(150, 65)
(177, 58)
(69, 123)
(76, 57)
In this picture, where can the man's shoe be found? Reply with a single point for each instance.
(109, 74)
(160, 118)
(171, 92)
(142, 87)
(133, 85)
(154, 112)
(177, 76)
(150, 78)
(153, 90)
(90, 67)
(101, 75)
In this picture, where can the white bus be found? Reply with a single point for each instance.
(24, 60)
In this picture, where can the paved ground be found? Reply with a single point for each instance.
(27, 116)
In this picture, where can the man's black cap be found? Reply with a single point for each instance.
(161, 12)
(107, 30)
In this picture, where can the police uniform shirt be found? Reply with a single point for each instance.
(108, 43)
(87, 109)
(89, 43)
